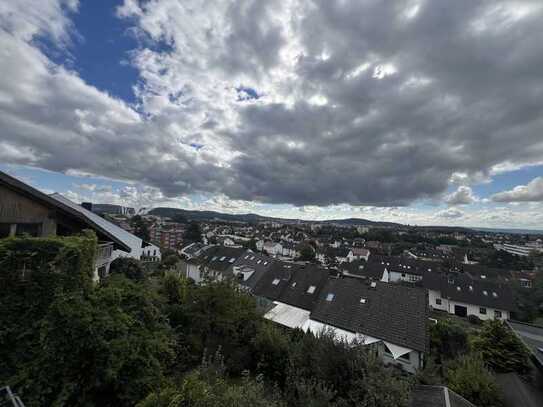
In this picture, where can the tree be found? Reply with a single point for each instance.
(469, 377)
(307, 253)
(140, 228)
(501, 349)
(448, 340)
(251, 245)
(193, 233)
(178, 218)
(107, 348)
(129, 267)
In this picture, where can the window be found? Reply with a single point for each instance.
(362, 300)
(311, 289)
(294, 284)
(482, 311)
(438, 301)
(222, 258)
(275, 282)
(405, 357)
(497, 314)
(485, 292)
(32, 229)
(330, 297)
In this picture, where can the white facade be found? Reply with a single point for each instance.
(395, 276)
(485, 313)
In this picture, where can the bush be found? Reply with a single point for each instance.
(448, 340)
(474, 319)
(501, 349)
(129, 267)
(469, 377)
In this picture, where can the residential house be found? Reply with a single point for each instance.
(26, 210)
(463, 295)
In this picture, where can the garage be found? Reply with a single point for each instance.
(460, 310)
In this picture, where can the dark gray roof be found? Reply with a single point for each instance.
(391, 312)
(280, 273)
(462, 288)
(258, 262)
(363, 269)
(221, 258)
(401, 264)
(296, 292)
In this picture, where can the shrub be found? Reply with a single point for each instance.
(474, 319)
(469, 377)
(501, 349)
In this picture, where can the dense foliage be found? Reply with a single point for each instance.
(501, 349)
(193, 233)
(469, 377)
(145, 340)
(141, 229)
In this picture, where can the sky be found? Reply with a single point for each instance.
(414, 111)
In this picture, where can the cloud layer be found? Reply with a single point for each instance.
(532, 192)
(299, 102)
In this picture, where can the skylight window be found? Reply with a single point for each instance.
(259, 261)
(222, 258)
(275, 282)
(294, 284)
(362, 300)
(232, 260)
(214, 258)
(471, 288)
(485, 292)
(458, 288)
(494, 295)
(311, 289)
(330, 297)
(265, 262)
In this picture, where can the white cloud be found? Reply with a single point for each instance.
(462, 196)
(532, 192)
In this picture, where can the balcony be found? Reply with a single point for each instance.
(103, 253)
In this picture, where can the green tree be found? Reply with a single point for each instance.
(129, 267)
(501, 349)
(448, 340)
(140, 228)
(469, 377)
(251, 245)
(193, 233)
(107, 348)
(307, 253)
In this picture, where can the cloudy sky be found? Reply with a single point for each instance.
(420, 112)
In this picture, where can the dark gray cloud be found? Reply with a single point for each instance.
(360, 102)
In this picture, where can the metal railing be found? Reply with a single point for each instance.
(8, 398)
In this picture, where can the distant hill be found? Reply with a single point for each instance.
(251, 217)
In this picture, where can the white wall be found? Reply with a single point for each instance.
(448, 306)
(394, 277)
(410, 365)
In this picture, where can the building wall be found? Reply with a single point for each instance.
(17, 209)
(448, 306)
(394, 277)
(413, 362)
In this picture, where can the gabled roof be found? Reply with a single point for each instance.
(255, 261)
(126, 238)
(390, 312)
(70, 210)
(221, 258)
(462, 288)
(273, 282)
(304, 286)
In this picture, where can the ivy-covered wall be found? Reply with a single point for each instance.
(33, 272)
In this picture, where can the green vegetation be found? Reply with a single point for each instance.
(129, 267)
(469, 377)
(140, 228)
(193, 233)
(501, 349)
(137, 339)
(467, 359)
